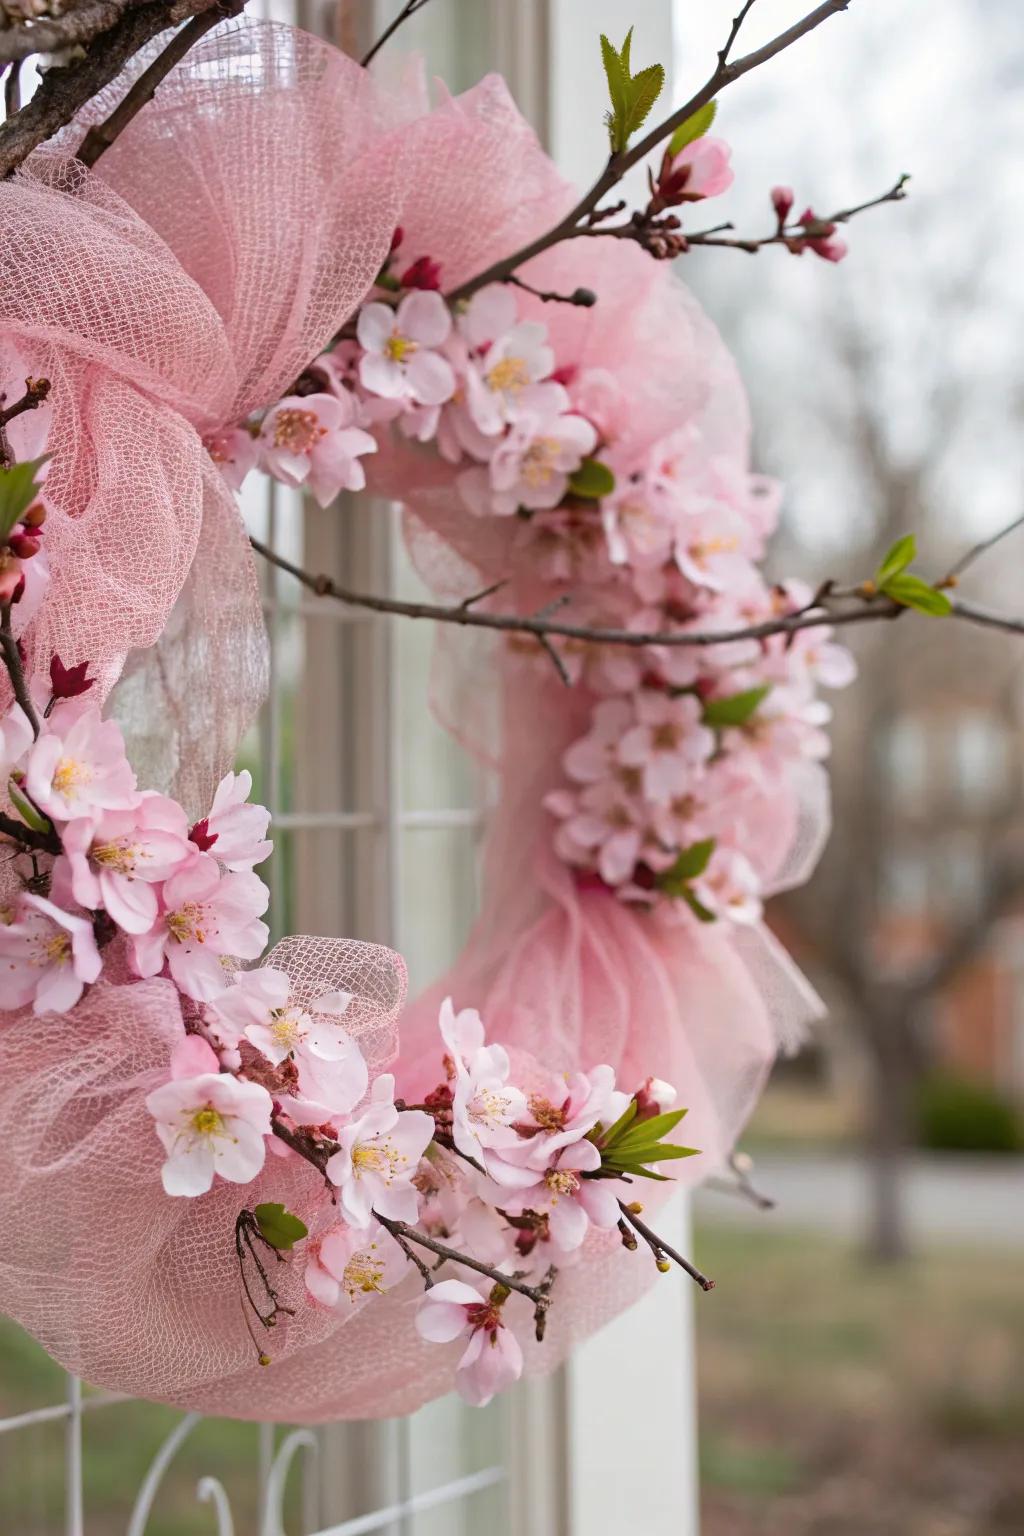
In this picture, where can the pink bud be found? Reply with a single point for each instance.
(11, 578)
(654, 1097)
(23, 545)
(425, 273)
(68, 682)
(832, 249)
(700, 169)
(782, 202)
(396, 239)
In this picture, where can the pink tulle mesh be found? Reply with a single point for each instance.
(185, 282)
(126, 1287)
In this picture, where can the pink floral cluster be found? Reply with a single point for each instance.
(670, 795)
(514, 1175)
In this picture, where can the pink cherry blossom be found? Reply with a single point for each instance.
(400, 360)
(205, 916)
(610, 824)
(667, 743)
(210, 1124)
(558, 1118)
(485, 1106)
(332, 1073)
(115, 860)
(346, 1266)
(235, 451)
(700, 169)
(314, 441)
(515, 356)
(569, 1201)
(531, 465)
(47, 956)
(377, 1159)
(81, 769)
(730, 887)
(15, 739)
(234, 831)
(592, 758)
(640, 527)
(492, 1359)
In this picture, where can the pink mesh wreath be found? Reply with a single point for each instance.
(232, 268)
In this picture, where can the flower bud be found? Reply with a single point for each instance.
(35, 517)
(23, 545)
(11, 578)
(654, 1097)
(424, 273)
(782, 202)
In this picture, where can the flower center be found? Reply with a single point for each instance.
(398, 347)
(509, 375)
(488, 1108)
(561, 1181)
(286, 1030)
(120, 857)
(297, 431)
(539, 461)
(185, 925)
(707, 548)
(206, 1122)
(70, 776)
(56, 950)
(665, 737)
(550, 1117)
(363, 1274)
(380, 1156)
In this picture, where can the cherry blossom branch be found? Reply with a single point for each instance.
(36, 391)
(15, 670)
(317, 1150)
(952, 577)
(578, 220)
(409, 9)
(65, 90)
(862, 605)
(101, 135)
(665, 236)
(661, 1250)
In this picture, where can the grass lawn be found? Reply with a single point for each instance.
(839, 1400)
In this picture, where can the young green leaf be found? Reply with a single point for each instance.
(19, 488)
(693, 861)
(279, 1227)
(897, 560)
(608, 1137)
(912, 592)
(644, 90)
(654, 1152)
(651, 1129)
(632, 96)
(26, 810)
(737, 708)
(698, 908)
(592, 480)
(695, 127)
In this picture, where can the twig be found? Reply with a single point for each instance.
(409, 9)
(741, 1184)
(790, 232)
(15, 670)
(101, 135)
(52, 34)
(65, 91)
(662, 1250)
(36, 391)
(12, 89)
(956, 571)
(577, 221)
(585, 298)
(28, 837)
(737, 23)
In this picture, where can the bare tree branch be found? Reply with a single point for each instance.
(409, 9)
(66, 90)
(77, 24)
(100, 137)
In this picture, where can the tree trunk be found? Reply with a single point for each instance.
(890, 1135)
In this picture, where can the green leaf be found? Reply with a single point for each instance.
(737, 708)
(19, 488)
(632, 96)
(592, 480)
(695, 127)
(912, 592)
(644, 90)
(279, 1227)
(698, 908)
(652, 1129)
(656, 1152)
(897, 560)
(607, 1138)
(693, 861)
(27, 811)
